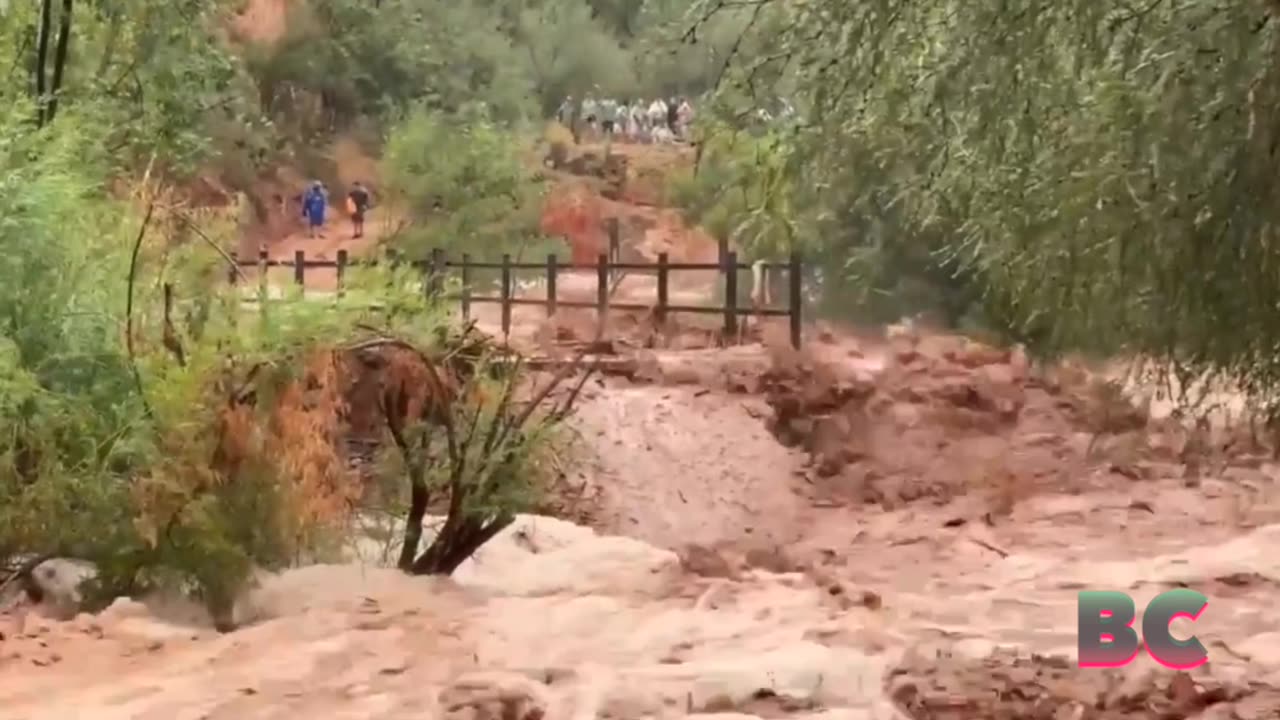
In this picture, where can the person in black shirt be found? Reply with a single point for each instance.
(358, 204)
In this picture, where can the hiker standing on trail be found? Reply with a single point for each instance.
(357, 205)
(639, 131)
(620, 119)
(565, 113)
(590, 110)
(684, 118)
(608, 116)
(657, 113)
(313, 207)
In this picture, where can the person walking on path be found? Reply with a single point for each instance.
(357, 205)
(564, 115)
(313, 207)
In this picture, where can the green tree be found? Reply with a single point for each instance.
(466, 184)
(1100, 171)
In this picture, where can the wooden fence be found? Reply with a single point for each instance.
(607, 269)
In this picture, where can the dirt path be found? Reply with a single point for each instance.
(335, 236)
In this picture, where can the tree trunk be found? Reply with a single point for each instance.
(42, 54)
(418, 499)
(456, 543)
(60, 57)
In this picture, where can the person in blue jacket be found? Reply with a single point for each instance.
(313, 207)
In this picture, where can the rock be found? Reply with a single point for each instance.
(59, 581)
(570, 559)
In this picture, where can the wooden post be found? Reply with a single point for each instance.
(435, 278)
(465, 296)
(553, 268)
(299, 268)
(730, 295)
(506, 295)
(660, 312)
(342, 270)
(262, 278)
(614, 241)
(233, 272)
(168, 305)
(602, 294)
(795, 278)
(722, 251)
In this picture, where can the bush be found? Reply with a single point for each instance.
(475, 438)
(169, 450)
(466, 184)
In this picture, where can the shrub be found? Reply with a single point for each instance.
(476, 438)
(465, 184)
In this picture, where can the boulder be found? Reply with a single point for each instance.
(59, 581)
(545, 556)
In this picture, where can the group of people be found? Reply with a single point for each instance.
(315, 204)
(661, 120)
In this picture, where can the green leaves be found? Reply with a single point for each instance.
(1100, 172)
(464, 182)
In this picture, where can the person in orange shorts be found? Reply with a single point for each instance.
(357, 206)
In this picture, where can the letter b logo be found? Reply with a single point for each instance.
(1107, 639)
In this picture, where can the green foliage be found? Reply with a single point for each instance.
(570, 52)
(740, 193)
(159, 469)
(747, 190)
(355, 58)
(151, 74)
(465, 184)
(1074, 173)
(480, 441)
(517, 58)
(65, 388)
